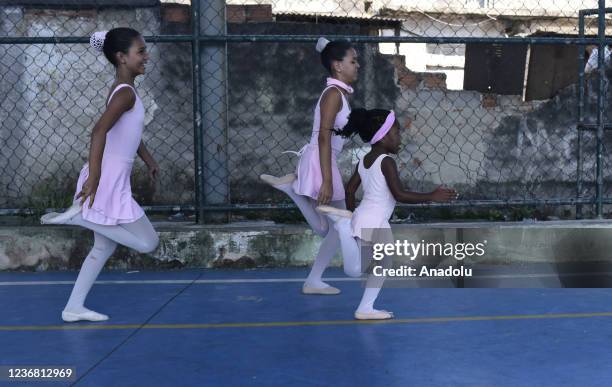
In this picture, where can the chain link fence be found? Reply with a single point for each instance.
(492, 96)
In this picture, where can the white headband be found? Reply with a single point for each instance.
(97, 40)
(321, 44)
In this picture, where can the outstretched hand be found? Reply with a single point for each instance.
(444, 194)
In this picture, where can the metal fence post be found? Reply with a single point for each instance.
(601, 99)
(213, 104)
(581, 65)
(197, 111)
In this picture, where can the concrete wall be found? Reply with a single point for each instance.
(492, 145)
(52, 96)
(513, 245)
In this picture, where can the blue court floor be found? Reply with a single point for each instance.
(254, 328)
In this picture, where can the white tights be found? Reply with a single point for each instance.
(320, 226)
(138, 235)
(353, 267)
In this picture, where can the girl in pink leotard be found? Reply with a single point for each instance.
(317, 179)
(103, 199)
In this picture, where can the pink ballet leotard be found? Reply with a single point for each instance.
(113, 203)
(308, 171)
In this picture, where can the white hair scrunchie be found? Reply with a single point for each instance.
(97, 40)
(321, 44)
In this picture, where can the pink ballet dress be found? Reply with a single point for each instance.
(114, 203)
(377, 204)
(308, 172)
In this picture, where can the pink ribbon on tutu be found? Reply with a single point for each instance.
(298, 153)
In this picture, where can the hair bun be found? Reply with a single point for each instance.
(321, 44)
(96, 41)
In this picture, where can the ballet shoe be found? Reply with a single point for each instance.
(334, 212)
(87, 315)
(61, 217)
(327, 291)
(374, 315)
(278, 181)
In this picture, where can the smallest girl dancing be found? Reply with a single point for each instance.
(369, 223)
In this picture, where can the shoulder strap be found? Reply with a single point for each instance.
(342, 97)
(379, 160)
(120, 86)
(382, 157)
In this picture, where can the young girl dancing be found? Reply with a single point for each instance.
(103, 200)
(318, 179)
(369, 223)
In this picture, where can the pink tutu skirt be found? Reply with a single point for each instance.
(309, 177)
(113, 203)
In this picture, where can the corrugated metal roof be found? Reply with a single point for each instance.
(335, 16)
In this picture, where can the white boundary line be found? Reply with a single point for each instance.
(287, 280)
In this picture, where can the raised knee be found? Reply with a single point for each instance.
(101, 250)
(150, 245)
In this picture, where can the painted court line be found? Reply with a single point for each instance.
(171, 282)
(423, 320)
(286, 280)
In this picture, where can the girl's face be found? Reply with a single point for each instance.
(392, 139)
(136, 58)
(348, 68)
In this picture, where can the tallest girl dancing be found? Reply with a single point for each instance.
(317, 180)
